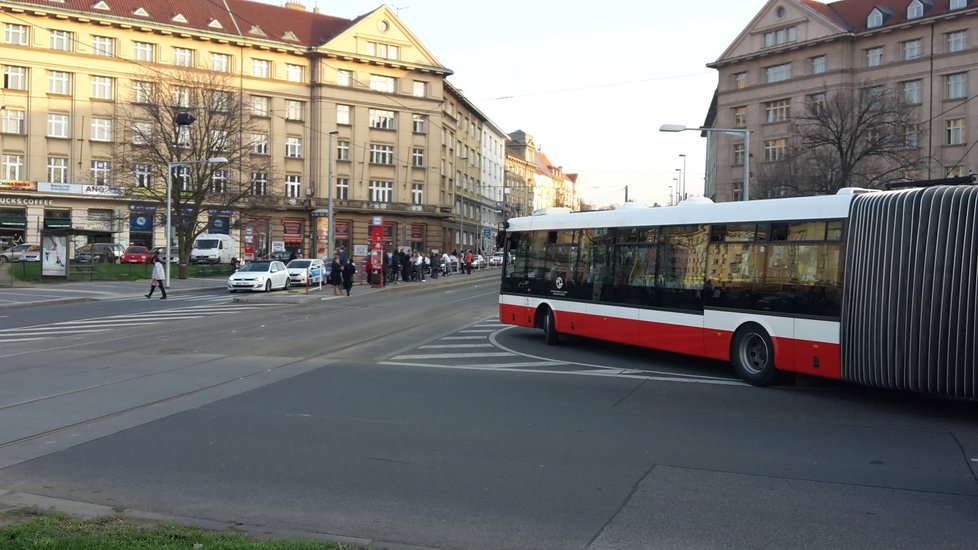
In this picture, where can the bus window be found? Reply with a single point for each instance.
(681, 270)
(834, 232)
(803, 279)
(733, 273)
(561, 260)
(595, 262)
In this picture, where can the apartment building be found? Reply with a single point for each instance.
(357, 102)
(794, 52)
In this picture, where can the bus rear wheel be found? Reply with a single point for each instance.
(550, 335)
(752, 355)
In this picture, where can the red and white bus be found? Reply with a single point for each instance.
(876, 288)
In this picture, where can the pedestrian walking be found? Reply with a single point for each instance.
(348, 270)
(335, 275)
(157, 279)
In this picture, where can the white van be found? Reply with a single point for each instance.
(213, 248)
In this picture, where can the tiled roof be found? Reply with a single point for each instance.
(278, 24)
(852, 14)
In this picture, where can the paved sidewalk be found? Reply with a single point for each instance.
(22, 294)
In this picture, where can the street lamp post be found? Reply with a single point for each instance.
(169, 200)
(731, 131)
(683, 183)
(329, 195)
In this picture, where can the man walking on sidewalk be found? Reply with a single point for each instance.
(157, 279)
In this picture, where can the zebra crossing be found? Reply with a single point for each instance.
(62, 329)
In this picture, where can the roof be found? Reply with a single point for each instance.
(242, 18)
(852, 14)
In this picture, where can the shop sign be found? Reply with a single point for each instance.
(18, 185)
(102, 190)
(26, 201)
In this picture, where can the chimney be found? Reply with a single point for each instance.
(295, 6)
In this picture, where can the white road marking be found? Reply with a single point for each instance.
(455, 346)
(454, 355)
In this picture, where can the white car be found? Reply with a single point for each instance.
(478, 262)
(311, 271)
(496, 259)
(262, 275)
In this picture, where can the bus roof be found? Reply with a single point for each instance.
(696, 212)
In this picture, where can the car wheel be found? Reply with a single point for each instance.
(3, 260)
(268, 285)
(550, 334)
(285, 285)
(752, 355)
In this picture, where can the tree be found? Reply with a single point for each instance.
(221, 127)
(850, 138)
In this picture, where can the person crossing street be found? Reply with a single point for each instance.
(157, 279)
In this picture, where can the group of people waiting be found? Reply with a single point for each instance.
(341, 272)
(416, 266)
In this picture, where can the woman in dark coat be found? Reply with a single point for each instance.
(335, 275)
(348, 269)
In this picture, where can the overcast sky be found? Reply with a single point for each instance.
(591, 81)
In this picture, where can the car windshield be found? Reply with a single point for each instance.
(256, 266)
(301, 264)
(206, 243)
(136, 250)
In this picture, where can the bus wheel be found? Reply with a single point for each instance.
(752, 355)
(550, 335)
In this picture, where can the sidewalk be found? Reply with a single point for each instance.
(14, 294)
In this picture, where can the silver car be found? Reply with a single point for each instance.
(14, 253)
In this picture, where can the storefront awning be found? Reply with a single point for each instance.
(292, 238)
(56, 223)
(13, 221)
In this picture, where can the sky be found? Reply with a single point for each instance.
(592, 82)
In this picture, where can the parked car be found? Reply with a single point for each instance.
(137, 255)
(32, 254)
(452, 266)
(13, 253)
(213, 248)
(263, 275)
(99, 253)
(478, 261)
(301, 271)
(496, 260)
(161, 252)
(280, 255)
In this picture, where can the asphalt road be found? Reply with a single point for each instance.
(410, 418)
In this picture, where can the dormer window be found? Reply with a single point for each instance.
(875, 19)
(915, 10)
(959, 4)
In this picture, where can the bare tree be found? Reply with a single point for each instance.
(221, 127)
(851, 137)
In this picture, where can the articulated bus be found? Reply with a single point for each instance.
(878, 288)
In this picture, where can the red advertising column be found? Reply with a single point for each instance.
(375, 262)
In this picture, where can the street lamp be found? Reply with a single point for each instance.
(731, 131)
(169, 199)
(329, 194)
(683, 183)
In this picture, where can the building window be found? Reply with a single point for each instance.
(420, 89)
(293, 186)
(15, 34)
(101, 129)
(874, 57)
(380, 83)
(262, 68)
(220, 101)
(343, 114)
(419, 124)
(387, 51)
(294, 73)
(14, 78)
(59, 83)
(293, 109)
(144, 175)
(261, 106)
(912, 92)
(417, 193)
(144, 51)
(911, 136)
(293, 147)
(875, 19)
(100, 171)
(417, 157)
(956, 85)
(915, 10)
(57, 170)
(181, 177)
(818, 64)
(381, 191)
(142, 92)
(816, 102)
(181, 96)
(57, 125)
(779, 37)
(957, 41)
(776, 111)
(739, 116)
(342, 150)
(259, 144)
(103, 45)
(219, 182)
(60, 40)
(220, 63)
(774, 150)
(183, 57)
(778, 73)
(958, 4)
(142, 133)
(13, 166)
(259, 184)
(955, 132)
(343, 188)
(220, 140)
(911, 49)
(383, 120)
(381, 154)
(344, 78)
(14, 121)
(738, 154)
(740, 80)
(102, 87)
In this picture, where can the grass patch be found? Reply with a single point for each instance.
(31, 271)
(32, 529)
